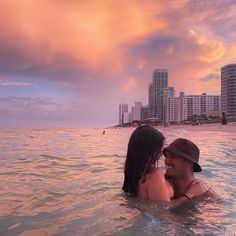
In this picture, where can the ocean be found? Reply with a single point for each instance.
(68, 182)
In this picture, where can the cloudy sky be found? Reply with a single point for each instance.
(70, 63)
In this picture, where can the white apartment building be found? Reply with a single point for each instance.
(172, 109)
(122, 109)
(169, 104)
(228, 89)
(194, 105)
(212, 103)
(136, 111)
(127, 117)
(183, 107)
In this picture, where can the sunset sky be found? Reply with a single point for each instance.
(70, 63)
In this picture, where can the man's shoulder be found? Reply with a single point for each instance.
(205, 190)
(197, 188)
(203, 185)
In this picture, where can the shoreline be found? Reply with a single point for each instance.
(230, 127)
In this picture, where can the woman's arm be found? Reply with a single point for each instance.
(196, 189)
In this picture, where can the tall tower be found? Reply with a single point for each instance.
(136, 111)
(122, 109)
(167, 94)
(228, 89)
(151, 101)
(160, 82)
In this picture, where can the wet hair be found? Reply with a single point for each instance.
(144, 150)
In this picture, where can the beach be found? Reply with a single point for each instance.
(230, 127)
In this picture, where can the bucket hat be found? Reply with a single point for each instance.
(185, 148)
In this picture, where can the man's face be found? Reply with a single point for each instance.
(176, 166)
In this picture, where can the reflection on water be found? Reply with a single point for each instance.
(68, 182)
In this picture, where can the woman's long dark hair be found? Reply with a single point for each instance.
(144, 149)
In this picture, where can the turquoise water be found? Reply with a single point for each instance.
(68, 182)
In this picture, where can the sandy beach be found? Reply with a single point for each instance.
(230, 127)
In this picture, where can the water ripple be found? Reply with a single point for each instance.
(68, 182)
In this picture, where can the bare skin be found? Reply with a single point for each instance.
(180, 188)
(180, 172)
(155, 187)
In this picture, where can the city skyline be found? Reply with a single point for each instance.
(165, 107)
(70, 64)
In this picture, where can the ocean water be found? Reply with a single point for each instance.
(68, 182)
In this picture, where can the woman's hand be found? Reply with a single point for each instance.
(197, 188)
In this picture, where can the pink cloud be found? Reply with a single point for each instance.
(8, 82)
(107, 50)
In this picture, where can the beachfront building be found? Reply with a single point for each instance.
(172, 110)
(164, 108)
(144, 113)
(228, 89)
(210, 103)
(151, 101)
(169, 106)
(156, 104)
(136, 111)
(127, 117)
(122, 109)
(181, 108)
(194, 105)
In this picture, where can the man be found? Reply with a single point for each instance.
(181, 160)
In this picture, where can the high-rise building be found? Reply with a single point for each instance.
(126, 117)
(210, 103)
(172, 110)
(167, 93)
(194, 105)
(181, 108)
(122, 109)
(144, 113)
(136, 111)
(163, 107)
(159, 82)
(151, 101)
(228, 89)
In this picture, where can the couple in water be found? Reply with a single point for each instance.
(143, 177)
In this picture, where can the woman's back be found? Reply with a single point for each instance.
(155, 187)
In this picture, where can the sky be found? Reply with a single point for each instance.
(70, 63)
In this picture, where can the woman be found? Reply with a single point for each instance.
(143, 177)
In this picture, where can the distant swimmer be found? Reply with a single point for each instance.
(103, 132)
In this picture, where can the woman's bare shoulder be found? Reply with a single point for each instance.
(157, 176)
(157, 187)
